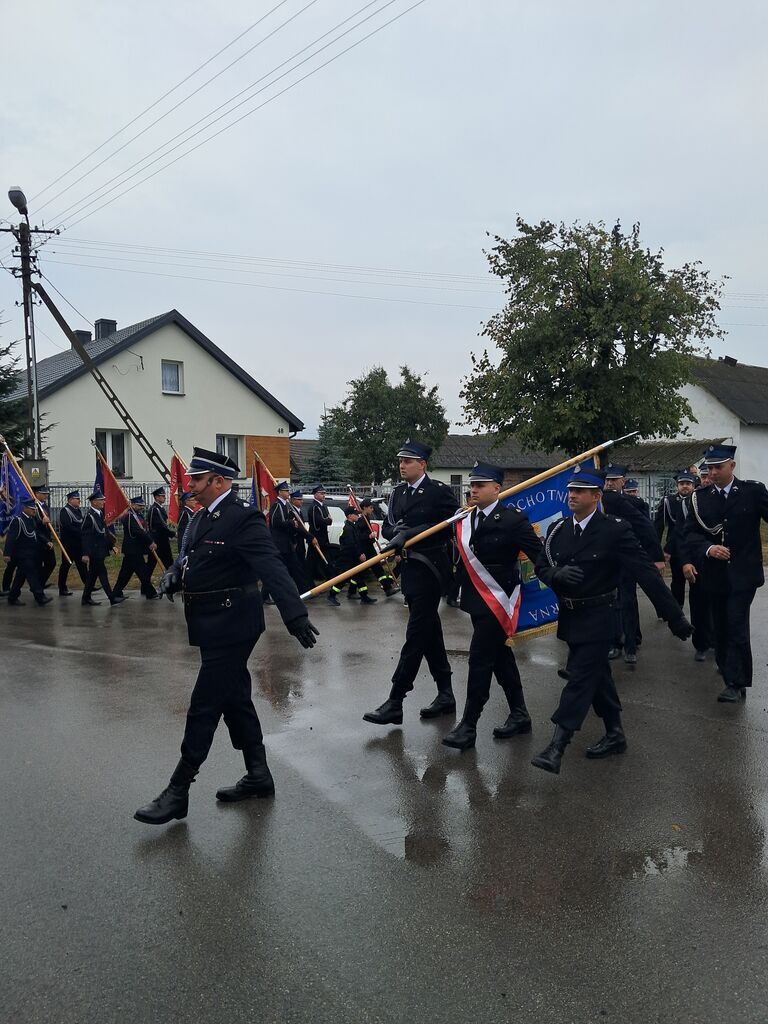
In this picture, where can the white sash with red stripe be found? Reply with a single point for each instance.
(506, 608)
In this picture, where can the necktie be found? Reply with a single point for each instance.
(480, 517)
(577, 530)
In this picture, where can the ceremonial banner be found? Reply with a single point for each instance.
(176, 488)
(543, 503)
(116, 502)
(14, 491)
(266, 490)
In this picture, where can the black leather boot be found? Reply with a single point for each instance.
(173, 802)
(258, 781)
(462, 737)
(517, 724)
(732, 695)
(365, 598)
(389, 713)
(443, 704)
(550, 758)
(614, 741)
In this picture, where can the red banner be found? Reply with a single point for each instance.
(116, 502)
(176, 488)
(265, 488)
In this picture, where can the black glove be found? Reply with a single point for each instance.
(303, 630)
(568, 576)
(170, 582)
(680, 627)
(398, 539)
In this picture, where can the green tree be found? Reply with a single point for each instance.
(330, 462)
(377, 416)
(596, 338)
(13, 414)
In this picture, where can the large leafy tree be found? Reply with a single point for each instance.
(13, 414)
(377, 416)
(595, 340)
(330, 461)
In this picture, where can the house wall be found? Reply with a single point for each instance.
(752, 456)
(214, 402)
(712, 417)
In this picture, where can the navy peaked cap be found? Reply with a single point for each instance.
(414, 450)
(719, 453)
(684, 475)
(484, 472)
(614, 471)
(588, 477)
(205, 461)
(73, 494)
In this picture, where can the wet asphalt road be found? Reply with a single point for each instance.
(392, 879)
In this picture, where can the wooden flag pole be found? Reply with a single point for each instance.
(438, 527)
(295, 511)
(24, 480)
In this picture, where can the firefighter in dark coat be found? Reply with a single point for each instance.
(229, 549)
(723, 554)
(157, 522)
(285, 530)
(138, 551)
(489, 541)
(352, 551)
(70, 531)
(98, 542)
(42, 525)
(415, 505)
(318, 521)
(583, 559)
(23, 548)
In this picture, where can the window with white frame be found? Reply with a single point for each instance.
(114, 445)
(173, 377)
(229, 444)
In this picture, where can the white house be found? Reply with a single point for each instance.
(175, 382)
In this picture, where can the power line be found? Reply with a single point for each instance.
(248, 113)
(71, 305)
(268, 287)
(84, 202)
(150, 107)
(180, 103)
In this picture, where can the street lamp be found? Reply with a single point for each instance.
(19, 200)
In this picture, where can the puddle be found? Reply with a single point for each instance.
(658, 863)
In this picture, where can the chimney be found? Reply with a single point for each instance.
(83, 336)
(729, 360)
(104, 328)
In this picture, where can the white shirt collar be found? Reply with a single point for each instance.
(218, 501)
(727, 489)
(584, 522)
(419, 482)
(487, 511)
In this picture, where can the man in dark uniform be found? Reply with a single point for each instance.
(98, 541)
(43, 527)
(318, 521)
(285, 530)
(229, 548)
(138, 551)
(369, 512)
(489, 541)
(352, 551)
(157, 521)
(703, 476)
(70, 531)
(583, 559)
(632, 490)
(188, 509)
(22, 546)
(301, 541)
(415, 505)
(723, 554)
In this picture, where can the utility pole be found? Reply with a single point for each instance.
(23, 233)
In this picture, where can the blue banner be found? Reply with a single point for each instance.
(14, 492)
(543, 504)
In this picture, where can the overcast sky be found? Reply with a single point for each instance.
(398, 156)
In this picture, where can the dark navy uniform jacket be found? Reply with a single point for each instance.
(318, 520)
(606, 547)
(624, 506)
(670, 516)
(432, 503)
(23, 542)
(497, 544)
(285, 529)
(227, 551)
(185, 518)
(136, 538)
(734, 523)
(157, 519)
(70, 527)
(98, 539)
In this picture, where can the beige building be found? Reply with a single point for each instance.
(175, 382)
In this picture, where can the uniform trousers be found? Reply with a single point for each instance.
(423, 637)
(489, 656)
(164, 552)
(630, 615)
(142, 566)
(47, 564)
(27, 570)
(590, 683)
(223, 687)
(75, 553)
(733, 652)
(316, 567)
(10, 569)
(701, 617)
(677, 583)
(97, 570)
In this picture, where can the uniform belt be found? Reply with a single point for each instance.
(218, 596)
(587, 602)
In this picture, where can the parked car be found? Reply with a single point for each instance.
(336, 508)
